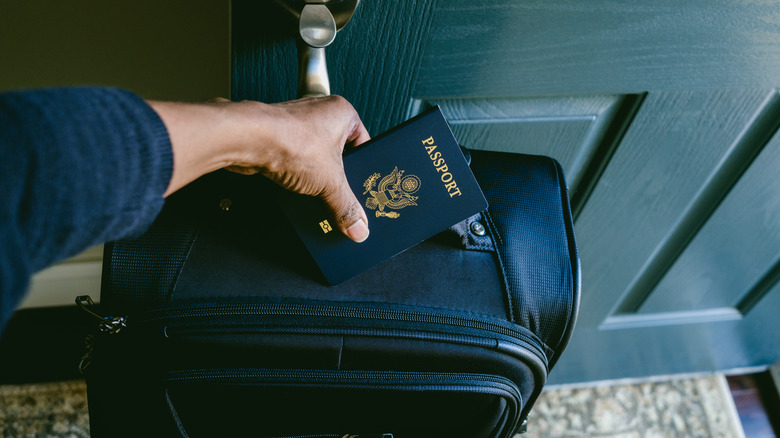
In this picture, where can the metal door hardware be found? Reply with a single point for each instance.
(318, 23)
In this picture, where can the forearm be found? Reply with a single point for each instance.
(209, 136)
(80, 166)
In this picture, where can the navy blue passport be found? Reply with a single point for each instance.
(413, 182)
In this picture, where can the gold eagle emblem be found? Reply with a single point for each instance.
(394, 191)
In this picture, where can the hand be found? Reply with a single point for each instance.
(304, 155)
(297, 144)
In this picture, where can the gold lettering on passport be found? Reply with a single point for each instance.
(326, 228)
(394, 191)
(441, 167)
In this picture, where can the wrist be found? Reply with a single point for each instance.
(204, 138)
(250, 135)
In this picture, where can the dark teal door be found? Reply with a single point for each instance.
(664, 115)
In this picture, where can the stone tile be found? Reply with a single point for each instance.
(690, 408)
(56, 409)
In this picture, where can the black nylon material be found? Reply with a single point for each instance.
(534, 222)
(525, 270)
(141, 272)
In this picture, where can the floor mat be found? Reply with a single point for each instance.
(690, 408)
(57, 409)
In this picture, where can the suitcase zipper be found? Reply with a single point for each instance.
(109, 324)
(305, 376)
(113, 325)
(330, 310)
(349, 312)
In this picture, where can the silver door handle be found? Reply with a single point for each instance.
(317, 29)
(318, 23)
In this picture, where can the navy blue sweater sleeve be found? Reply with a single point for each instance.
(78, 166)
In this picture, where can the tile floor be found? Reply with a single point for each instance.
(56, 409)
(683, 407)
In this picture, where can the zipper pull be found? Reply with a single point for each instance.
(110, 324)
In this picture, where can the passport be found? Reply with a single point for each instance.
(413, 181)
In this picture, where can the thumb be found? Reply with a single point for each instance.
(346, 210)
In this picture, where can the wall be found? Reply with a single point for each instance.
(168, 50)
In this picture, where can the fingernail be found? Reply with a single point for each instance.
(358, 231)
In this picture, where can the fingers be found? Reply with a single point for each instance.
(359, 134)
(306, 139)
(346, 210)
(346, 116)
(348, 213)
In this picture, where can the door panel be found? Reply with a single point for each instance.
(734, 250)
(670, 153)
(373, 62)
(673, 168)
(499, 48)
(661, 115)
(572, 129)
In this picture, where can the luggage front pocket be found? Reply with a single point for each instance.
(252, 402)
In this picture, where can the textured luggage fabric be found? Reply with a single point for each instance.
(231, 330)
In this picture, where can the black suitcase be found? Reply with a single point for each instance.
(219, 323)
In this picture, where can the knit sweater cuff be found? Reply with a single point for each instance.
(80, 166)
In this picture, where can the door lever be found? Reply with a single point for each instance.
(318, 23)
(317, 29)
